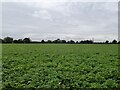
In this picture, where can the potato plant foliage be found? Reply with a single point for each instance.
(60, 66)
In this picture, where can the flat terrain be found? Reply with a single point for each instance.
(60, 65)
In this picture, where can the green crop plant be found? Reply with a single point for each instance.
(60, 66)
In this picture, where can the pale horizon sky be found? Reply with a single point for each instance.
(67, 20)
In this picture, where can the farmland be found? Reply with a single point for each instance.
(60, 65)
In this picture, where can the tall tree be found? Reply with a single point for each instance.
(57, 41)
(71, 42)
(26, 40)
(114, 41)
(42, 41)
(63, 41)
(106, 41)
(20, 41)
(8, 40)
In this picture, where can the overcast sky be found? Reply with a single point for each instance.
(67, 20)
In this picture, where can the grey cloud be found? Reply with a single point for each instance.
(66, 20)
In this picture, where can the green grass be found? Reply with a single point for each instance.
(0, 66)
(60, 66)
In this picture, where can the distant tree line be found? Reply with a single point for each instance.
(57, 41)
(11, 40)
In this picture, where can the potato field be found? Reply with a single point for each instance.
(60, 66)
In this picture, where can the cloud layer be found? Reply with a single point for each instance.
(64, 20)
